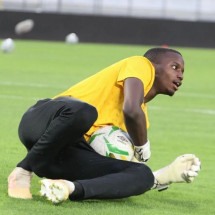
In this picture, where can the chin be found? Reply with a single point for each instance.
(169, 93)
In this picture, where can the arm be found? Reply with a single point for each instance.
(134, 116)
(135, 119)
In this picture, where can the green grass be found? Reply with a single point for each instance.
(181, 124)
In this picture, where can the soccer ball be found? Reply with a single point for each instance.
(111, 141)
(24, 26)
(72, 38)
(7, 45)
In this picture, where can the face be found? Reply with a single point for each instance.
(169, 73)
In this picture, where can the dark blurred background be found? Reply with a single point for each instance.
(189, 23)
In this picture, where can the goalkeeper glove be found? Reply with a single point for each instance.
(142, 153)
(183, 169)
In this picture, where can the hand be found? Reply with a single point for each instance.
(192, 170)
(142, 153)
(183, 169)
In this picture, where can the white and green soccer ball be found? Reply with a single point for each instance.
(111, 141)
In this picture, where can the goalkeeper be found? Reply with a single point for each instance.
(55, 133)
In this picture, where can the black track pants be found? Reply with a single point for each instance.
(52, 131)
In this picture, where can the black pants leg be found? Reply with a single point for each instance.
(107, 178)
(49, 127)
(52, 131)
(131, 180)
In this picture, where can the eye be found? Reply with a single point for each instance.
(174, 67)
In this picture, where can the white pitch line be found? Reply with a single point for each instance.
(204, 111)
(200, 111)
(34, 85)
(17, 97)
(192, 110)
(196, 95)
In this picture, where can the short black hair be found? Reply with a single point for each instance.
(154, 54)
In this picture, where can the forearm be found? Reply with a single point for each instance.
(136, 127)
(135, 119)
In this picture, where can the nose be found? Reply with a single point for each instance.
(180, 75)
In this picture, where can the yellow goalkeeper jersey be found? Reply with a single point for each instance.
(104, 90)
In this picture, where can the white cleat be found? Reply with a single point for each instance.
(55, 191)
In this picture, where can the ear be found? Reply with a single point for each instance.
(158, 68)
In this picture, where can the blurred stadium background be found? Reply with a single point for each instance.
(173, 22)
(173, 9)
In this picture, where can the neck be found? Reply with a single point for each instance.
(150, 95)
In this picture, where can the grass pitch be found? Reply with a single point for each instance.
(181, 124)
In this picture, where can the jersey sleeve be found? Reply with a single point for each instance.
(137, 67)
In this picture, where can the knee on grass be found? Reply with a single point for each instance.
(144, 179)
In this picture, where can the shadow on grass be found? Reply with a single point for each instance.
(149, 200)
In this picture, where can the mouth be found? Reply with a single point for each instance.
(177, 84)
